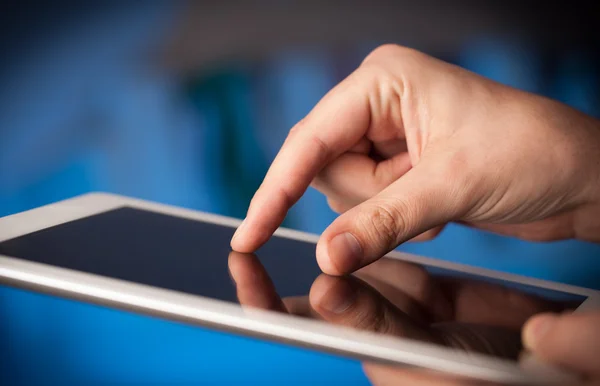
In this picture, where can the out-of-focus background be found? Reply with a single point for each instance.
(186, 103)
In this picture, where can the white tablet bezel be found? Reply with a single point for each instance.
(206, 312)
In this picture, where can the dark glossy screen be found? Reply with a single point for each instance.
(392, 297)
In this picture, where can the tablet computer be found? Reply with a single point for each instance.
(177, 264)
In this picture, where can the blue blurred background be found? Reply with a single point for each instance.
(186, 103)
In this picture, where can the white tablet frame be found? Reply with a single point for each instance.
(220, 315)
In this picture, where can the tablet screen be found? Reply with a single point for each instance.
(392, 297)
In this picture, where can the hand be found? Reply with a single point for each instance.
(401, 299)
(408, 143)
(568, 341)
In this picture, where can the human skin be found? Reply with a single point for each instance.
(408, 143)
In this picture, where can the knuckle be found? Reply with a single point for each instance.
(298, 127)
(323, 148)
(385, 223)
(287, 198)
(310, 139)
(389, 51)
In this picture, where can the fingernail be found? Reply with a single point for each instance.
(338, 298)
(345, 252)
(536, 329)
(239, 230)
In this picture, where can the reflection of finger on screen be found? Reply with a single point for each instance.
(350, 302)
(412, 280)
(398, 298)
(253, 284)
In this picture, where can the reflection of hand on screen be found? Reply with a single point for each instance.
(402, 299)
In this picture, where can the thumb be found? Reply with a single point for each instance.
(571, 340)
(418, 201)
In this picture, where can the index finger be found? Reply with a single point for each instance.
(334, 126)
